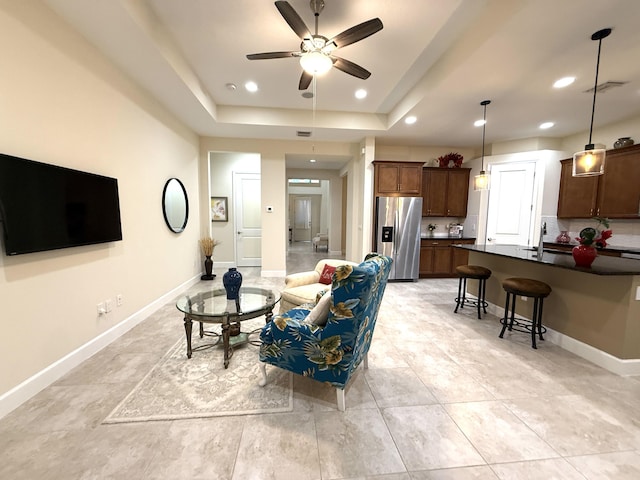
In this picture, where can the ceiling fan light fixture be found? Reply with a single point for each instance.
(316, 63)
(590, 161)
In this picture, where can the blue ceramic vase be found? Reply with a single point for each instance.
(232, 281)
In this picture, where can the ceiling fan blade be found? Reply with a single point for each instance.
(305, 80)
(267, 55)
(351, 68)
(293, 19)
(357, 33)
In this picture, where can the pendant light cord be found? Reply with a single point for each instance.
(484, 126)
(484, 103)
(595, 91)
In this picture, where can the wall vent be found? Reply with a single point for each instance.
(603, 87)
(303, 133)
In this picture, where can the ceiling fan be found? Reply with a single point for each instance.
(316, 51)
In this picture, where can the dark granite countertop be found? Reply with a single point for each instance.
(445, 237)
(602, 265)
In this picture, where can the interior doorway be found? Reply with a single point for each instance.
(511, 203)
(248, 222)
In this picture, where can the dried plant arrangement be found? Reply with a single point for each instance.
(208, 244)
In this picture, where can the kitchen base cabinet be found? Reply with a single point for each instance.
(438, 258)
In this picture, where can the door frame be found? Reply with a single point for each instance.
(239, 207)
(531, 197)
(534, 156)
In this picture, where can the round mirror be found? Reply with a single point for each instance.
(175, 205)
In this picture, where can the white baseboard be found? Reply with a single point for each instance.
(619, 366)
(33, 385)
(273, 273)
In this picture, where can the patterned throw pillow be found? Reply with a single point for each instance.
(327, 273)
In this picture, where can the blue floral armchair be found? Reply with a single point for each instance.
(330, 353)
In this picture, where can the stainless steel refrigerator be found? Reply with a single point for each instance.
(398, 234)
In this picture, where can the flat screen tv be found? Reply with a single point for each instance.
(47, 207)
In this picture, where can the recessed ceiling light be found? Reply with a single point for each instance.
(546, 125)
(564, 82)
(251, 86)
(312, 160)
(361, 93)
(479, 123)
(410, 120)
(231, 86)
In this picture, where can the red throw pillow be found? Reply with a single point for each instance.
(327, 273)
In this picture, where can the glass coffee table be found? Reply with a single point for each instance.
(212, 306)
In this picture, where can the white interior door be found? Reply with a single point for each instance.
(302, 219)
(511, 203)
(248, 219)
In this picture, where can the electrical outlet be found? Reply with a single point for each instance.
(101, 309)
(524, 299)
(108, 305)
(119, 300)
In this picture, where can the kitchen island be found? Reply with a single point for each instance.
(592, 312)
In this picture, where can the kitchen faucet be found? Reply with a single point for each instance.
(543, 232)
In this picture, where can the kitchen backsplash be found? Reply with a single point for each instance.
(626, 233)
(442, 226)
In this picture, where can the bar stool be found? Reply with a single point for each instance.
(524, 287)
(475, 272)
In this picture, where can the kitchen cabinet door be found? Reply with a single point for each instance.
(457, 192)
(395, 179)
(435, 261)
(442, 260)
(434, 186)
(445, 192)
(619, 187)
(577, 195)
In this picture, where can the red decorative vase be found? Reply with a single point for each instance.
(583, 255)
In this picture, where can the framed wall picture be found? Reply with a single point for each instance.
(219, 212)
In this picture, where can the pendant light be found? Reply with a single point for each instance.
(590, 161)
(481, 182)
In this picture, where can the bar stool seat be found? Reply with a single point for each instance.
(475, 272)
(525, 287)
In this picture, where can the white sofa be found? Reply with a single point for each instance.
(303, 287)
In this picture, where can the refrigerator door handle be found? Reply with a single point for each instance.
(396, 240)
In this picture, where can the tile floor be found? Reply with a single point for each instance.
(444, 399)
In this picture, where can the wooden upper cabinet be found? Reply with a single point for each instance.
(616, 194)
(619, 187)
(445, 192)
(577, 195)
(434, 192)
(396, 179)
(458, 192)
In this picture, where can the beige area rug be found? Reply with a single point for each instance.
(180, 388)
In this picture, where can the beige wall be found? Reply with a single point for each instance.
(64, 104)
(274, 187)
